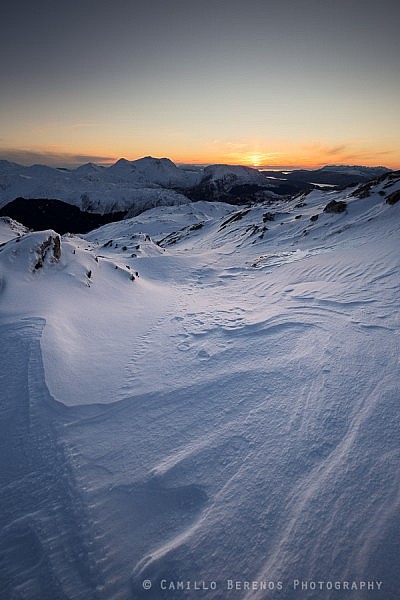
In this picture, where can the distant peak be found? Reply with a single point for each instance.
(154, 160)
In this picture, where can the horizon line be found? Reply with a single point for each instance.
(107, 162)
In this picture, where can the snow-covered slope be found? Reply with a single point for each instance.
(202, 402)
(10, 229)
(162, 221)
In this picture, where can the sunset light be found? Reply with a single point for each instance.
(260, 87)
(255, 160)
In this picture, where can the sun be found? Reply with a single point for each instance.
(255, 160)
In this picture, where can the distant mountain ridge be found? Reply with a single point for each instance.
(148, 182)
(337, 175)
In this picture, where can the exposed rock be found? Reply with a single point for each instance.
(314, 217)
(196, 226)
(393, 198)
(50, 248)
(268, 217)
(57, 248)
(363, 191)
(235, 217)
(335, 207)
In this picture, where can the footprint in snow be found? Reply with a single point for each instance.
(183, 346)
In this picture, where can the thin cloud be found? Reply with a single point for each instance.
(336, 150)
(54, 159)
(365, 155)
(349, 152)
(331, 150)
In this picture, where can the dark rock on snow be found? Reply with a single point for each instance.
(335, 207)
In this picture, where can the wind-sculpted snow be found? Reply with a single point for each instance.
(204, 411)
(44, 547)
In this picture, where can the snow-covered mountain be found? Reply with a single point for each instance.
(235, 184)
(360, 171)
(202, 402)
(126, 185)
(138, 185)
(228, 176)
(148, 171)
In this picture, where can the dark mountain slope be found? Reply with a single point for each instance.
(40, 214)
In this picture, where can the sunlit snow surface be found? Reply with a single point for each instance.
(203, 394)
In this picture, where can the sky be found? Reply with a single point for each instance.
(289, 83)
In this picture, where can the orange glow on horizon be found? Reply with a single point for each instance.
(260, 161)
(287, 155)
(280, 156)
(314, 158)
(290, 162)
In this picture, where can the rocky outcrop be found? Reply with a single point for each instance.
(335, 206)
(49, 249)
(393, 198)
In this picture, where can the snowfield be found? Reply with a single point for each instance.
(202, 402)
